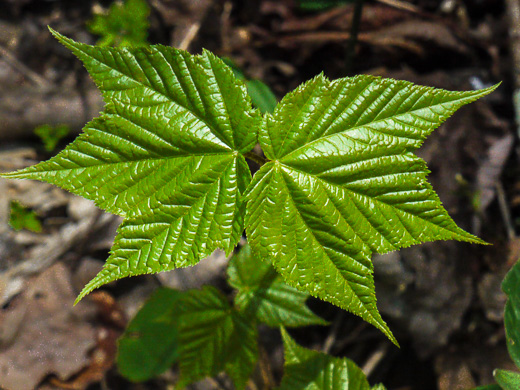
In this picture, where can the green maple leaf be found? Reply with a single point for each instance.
(166, 154)
(310, 370)
(343, 183)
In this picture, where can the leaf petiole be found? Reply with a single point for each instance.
(256, 158)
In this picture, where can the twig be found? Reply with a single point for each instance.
(219, 382)
(333, 334)
(504, 210)
(351, 49)
(399, 4)
(225, 28)
(265, 369)
(189, 36)
(256, 158)
(17, 65)
(351, 337)
(374, 360)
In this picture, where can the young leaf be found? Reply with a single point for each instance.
(23, 218)
(261, 95)
(125, 24)
(264, 296)
(150, 344)
(511, 286)
(310, 370)
(166, 154)
(343, 183)
(214, 338)
(51, 135)
(508, 380)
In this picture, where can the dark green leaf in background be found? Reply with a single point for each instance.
(150, 344)
(511, 286)
(305, 369)
(318, 5)
(214, 338)
(261, 95)
(263, 295)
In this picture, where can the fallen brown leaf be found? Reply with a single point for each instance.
(50, 336)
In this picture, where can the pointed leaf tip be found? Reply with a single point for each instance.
(344, 184)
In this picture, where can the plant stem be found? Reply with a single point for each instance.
(256, 158)
(351, 49)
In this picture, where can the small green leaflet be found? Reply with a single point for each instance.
(150, 344)
(166, 154)
(196, 328)
(343, 183)
(264, 296)
(214, 337)
(310, 370)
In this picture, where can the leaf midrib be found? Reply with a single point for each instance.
(368, 197)
(150, 87)
(393, 117)
(375, 320)
(24, 174)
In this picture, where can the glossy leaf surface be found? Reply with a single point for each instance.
(343, 183)
(310, 370)
(213, 338)
(263, 295)
(165, 154)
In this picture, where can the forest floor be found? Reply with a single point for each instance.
(442, 300)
